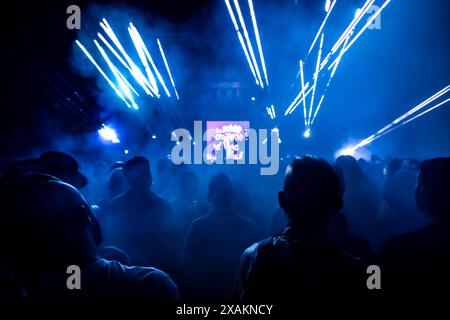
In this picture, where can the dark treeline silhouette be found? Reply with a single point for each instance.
(156, 231)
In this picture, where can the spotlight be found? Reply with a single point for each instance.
(307, 133)
(108, 134)
(253, 98)
(125, 151)
(153, 136)
(348, 151)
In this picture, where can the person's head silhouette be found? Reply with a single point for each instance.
(311, 194)
(220, 191)
(393, 167)
(46, 225)
(137, 172)
(350, 168)
(116, 181)
(433, 188)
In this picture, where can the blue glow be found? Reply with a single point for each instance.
(253, 98)
(153, 136)
(108, 134)
(125, 151)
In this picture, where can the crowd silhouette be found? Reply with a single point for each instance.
(166, 238)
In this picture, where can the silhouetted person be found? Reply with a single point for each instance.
(47, 226)
(419, 261)
(339, 237)
(185, 208)
(215, 243)
(299, 261)
(164, 179)
(399, 213)
(360, 201)
(117, 184)
(54, 163)
(135, 218)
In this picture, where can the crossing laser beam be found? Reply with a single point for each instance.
(258, 40)
(241, 40)
(122, 85)
(402, 120)
(329, 82)
(363, 29)
(316, 76)
(113, 86)
(167, 68)
(149, 57)
(135, 71)
(321, 28)
(249, 43)
(302, 78)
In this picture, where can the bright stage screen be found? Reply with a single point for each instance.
(226, 135)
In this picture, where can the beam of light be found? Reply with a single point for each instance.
(348, 31)
(143, 58)
(127, 82)
(258, 40)
(316, 76)
(302, 78)
(273, 111)
(317, 109)
(108, 45)
(368, 23)
(249, 43)
(167, 68)
(327, 5)
(330, 9)
(117, 91)
(122, 85)
(329, 82)
(426, 111)
(301, 100)
(108, 134)
(352, 25)
(400, 121)
(135, 71)
(294, 103)
(149, 57)
(269, 112)
(241, 40)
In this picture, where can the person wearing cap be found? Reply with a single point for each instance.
(47, 226)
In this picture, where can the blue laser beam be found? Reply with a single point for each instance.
(149, 57)
(241, 40)
(402, 120)
(167, 68)
(330, 9)
(249, 43)
(258, 40)
(113, 86)
(316, 76)
(122, 85)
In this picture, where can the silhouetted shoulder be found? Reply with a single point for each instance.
(131, 281)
